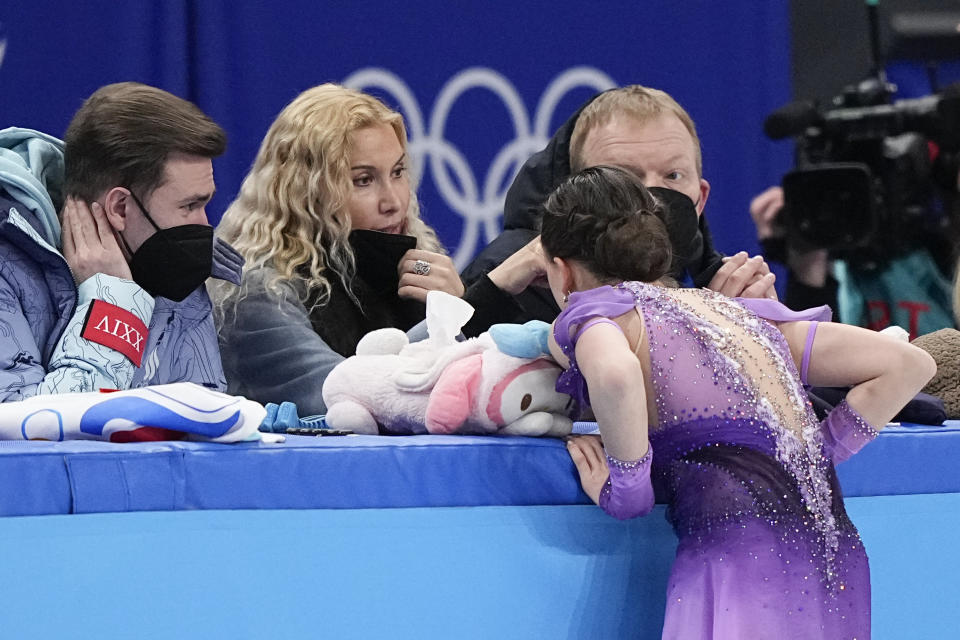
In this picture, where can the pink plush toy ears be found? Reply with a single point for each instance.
(452, 398)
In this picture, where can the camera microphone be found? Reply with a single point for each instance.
(792, 119)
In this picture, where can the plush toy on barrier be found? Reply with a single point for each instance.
(944, 346)
(441, 385)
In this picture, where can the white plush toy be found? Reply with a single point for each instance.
(440, 385)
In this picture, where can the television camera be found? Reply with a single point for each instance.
(872, 172)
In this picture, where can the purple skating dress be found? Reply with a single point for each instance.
(766, 549)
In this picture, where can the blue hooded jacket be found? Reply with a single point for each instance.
(42, 311)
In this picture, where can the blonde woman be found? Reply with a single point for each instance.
(334, 248)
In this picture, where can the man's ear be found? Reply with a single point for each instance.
(115, 203)
(704, 192)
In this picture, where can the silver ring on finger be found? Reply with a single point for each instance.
(421, 267)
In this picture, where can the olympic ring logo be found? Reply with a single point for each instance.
(479, 205)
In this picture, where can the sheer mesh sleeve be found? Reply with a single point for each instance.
(845, 432)
(628, 493)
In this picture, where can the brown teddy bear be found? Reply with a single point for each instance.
(944, 346)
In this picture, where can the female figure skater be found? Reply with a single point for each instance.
(699, 401)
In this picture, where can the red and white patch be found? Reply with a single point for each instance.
(116, 328)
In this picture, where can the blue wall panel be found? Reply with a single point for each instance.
(242, 61)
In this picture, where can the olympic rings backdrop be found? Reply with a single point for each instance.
(481, 85)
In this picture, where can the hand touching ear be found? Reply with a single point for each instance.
(89, 244)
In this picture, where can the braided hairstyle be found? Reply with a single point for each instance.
(604, 218)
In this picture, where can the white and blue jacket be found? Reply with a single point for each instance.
(42, 311)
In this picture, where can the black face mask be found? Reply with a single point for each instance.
(173, 262)
(683, 227)
(377, 257)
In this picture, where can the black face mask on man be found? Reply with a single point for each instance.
(683, 227)
(172, 262)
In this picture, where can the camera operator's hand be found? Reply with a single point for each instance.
(809, 266)
(744, 277)
(764, 209)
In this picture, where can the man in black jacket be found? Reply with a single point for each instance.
(645, 131)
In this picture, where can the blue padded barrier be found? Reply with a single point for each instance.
(366, 472)
(477, 572)
(296, 540)
(906, 459)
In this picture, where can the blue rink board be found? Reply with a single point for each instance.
(482, 572)
(379, 472)
(303, 539)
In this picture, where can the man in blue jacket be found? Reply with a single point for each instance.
(110, 294)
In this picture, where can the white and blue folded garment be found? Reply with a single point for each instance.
(178, 411)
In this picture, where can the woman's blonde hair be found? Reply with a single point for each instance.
(291, 213)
